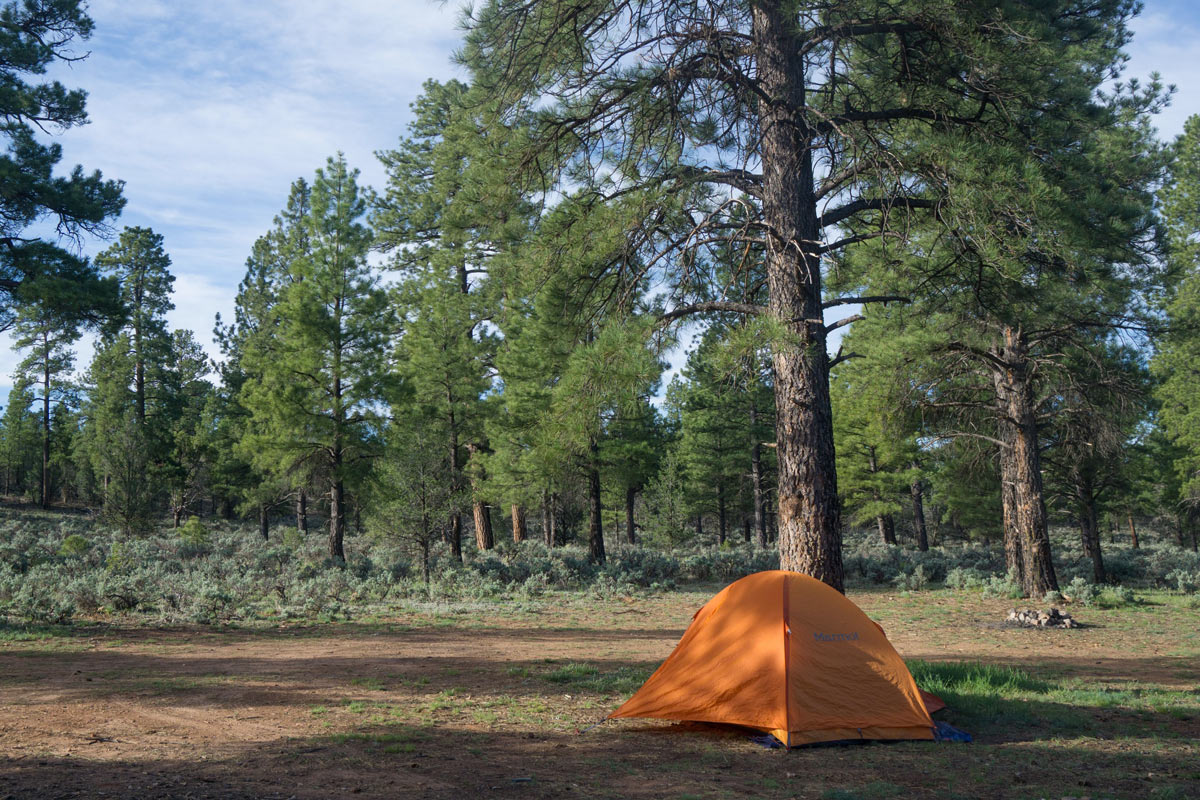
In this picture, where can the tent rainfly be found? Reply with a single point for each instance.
(786, 654)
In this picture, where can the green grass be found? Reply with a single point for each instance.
(589, 678)
(987, 696)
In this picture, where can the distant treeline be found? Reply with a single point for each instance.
(1015, 253)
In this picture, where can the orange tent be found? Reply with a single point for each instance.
(787, 654)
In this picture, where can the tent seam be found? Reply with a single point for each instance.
(787, 655)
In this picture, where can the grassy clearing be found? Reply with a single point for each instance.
(1110, 710)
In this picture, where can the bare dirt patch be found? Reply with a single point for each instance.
(491, 703)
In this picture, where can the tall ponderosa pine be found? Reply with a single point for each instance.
(875, 433)
(1058, 241)
(19, 438)
(315, 390)
(185, 395)
(142, 270)
(115, 441)
(245, 340)
(713, 446)
(444, 214)
(809, 115)
(48, 337)
(36, 35)
(1176, 362)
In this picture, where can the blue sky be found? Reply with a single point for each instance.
(209, 110)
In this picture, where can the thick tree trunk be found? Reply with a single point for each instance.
(1089, 524)
(1014, 551)
(595, 526)
(1029, 508)
(520, 532)
(700, 525)
(810, 539)
(1133, 537)
(630, 525)
(337, 520)
(485, 539)
(264, 522)
(746, 532)
(302, 512)
(226, 508)
(886, 527)
(176, 516)
(756, 478)
(547, 526)
(918, 505)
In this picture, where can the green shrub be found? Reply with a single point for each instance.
(193, 531)
(1003, 586)
(1116, 597)
(913, 581)
(1186, 581)
(960, 578)
(1081, 591)
(74, 546)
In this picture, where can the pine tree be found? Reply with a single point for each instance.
(115, 440)
(35, 36)
(142, 269)
(233, 471)
(1179, 352)
(809, 115)
(443, 216)
(712, 441)
(315, 386)
(48, 337)
(185, 396)
(632, 450)
(1059, 247)
(19, 437)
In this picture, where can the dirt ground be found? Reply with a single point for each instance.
(490, 702)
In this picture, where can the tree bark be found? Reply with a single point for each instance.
(810, 539)
(918, 504)
(337, 520)
(520, 532)
(630, 526)
(1019, 414)
(264, 522)
(595, 525)
(1014, 551)
(1133, 537)
(302, 512)
(485, 539)
(455, 536)
(756, 477)
(1089, 523)
(746, 532)
(547, 520)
